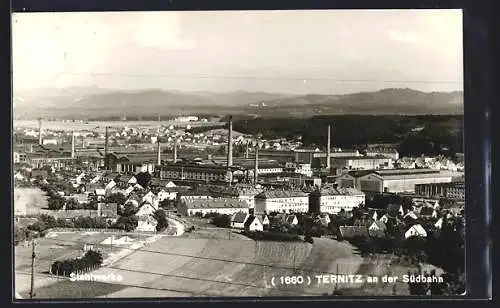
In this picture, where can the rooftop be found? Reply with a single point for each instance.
(218, 203)
(273, 194)
(340, 191)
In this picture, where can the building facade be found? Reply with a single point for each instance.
(400, 180)
(361, 163)
(454, 190)
(283, 201)
(225, 206)
(333, 200)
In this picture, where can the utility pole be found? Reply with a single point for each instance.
(33, 255)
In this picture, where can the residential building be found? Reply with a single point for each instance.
(377, 229)
(281, 201)
(253, 223)
(334, 199)
(238, 220)
(146, 209)
(416, 231)
(219, 205)
(241, 192)
(146, 224)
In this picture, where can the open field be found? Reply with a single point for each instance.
(208, 263)
(100, 125)
(186, 266)
(59, 246)
(30, 201)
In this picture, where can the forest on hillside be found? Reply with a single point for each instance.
(416, 135)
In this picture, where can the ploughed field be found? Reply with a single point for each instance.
(186, 266)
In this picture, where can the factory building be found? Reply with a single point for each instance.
(131, 163)
(397, 180)
(361, 162)
(454, 190)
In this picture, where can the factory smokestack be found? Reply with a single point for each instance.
(73, 145)
(106, 150)
(40, 131)
(175, 151)
(256, 166)
(230, 143)
(158, 142)
(328, 149)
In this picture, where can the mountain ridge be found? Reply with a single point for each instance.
(82, 102)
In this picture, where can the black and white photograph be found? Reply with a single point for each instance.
(186, 154)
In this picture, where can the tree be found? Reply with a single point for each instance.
(161, 218)
(222, 220)
(129, 209)
(117, 198)
(143, 179)
(127, 223)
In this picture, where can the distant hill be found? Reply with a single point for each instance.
(81, 102)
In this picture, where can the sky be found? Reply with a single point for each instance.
(299, 52)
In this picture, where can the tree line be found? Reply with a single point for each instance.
(416, 135)
(90, 260)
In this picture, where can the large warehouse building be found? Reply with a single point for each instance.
(394, 180)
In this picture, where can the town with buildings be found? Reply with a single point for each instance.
(99, 182)
(237, 154)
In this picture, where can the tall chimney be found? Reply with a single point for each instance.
(175, 151)
(158, 142)
(246, 152)
(256, 165)
(106, 150)
(230, 143)
(73, 145)
(328, 150)
(40, 131)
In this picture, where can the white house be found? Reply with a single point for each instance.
(291, 220)
(238, 220)
(416, 230)
(254, 223)
(167, 194)
(151, 198)
(410, 215)
(170, 185)
(439, 223)
(132, 181)
(147, 224)
(146, 209)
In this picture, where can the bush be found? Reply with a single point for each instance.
(221, 220)
(308, 238)
(127, 223)
(161, 218)
(66, 267)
